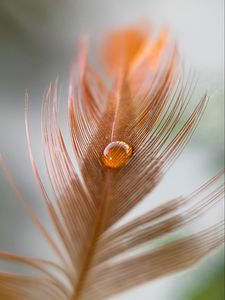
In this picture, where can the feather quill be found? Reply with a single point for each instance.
(143, 107)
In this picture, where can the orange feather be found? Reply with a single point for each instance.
(125, 137)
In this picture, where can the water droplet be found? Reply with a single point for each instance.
(116, 154)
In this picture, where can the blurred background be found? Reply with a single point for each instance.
(37, 44)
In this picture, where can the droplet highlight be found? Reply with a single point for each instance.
(116, 154)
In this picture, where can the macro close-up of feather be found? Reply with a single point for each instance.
(97, 158)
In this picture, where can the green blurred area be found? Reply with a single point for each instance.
(211, 289)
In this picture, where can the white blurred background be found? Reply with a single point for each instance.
(37, 44)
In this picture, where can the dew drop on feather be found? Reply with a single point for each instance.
(116, 154)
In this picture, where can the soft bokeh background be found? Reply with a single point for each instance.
(37, 44)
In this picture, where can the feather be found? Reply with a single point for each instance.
(125, 135)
